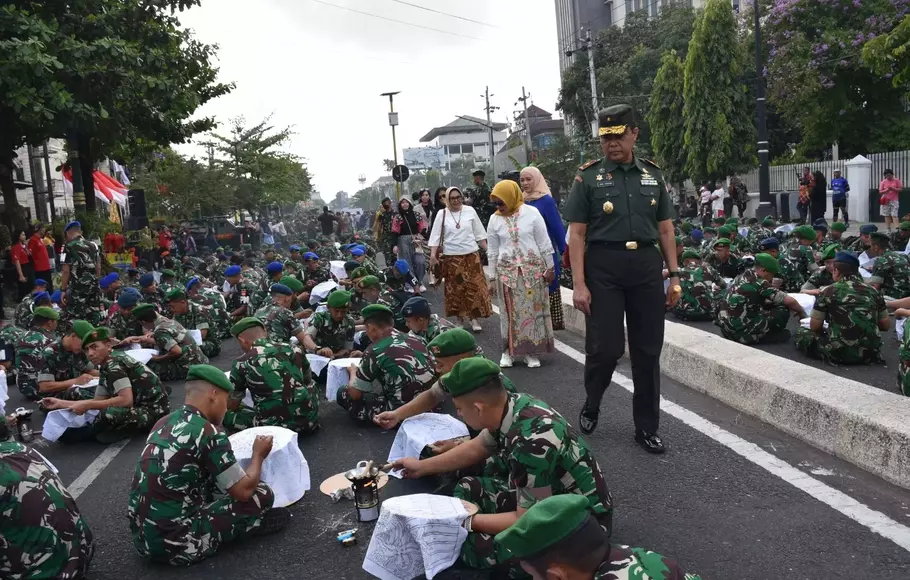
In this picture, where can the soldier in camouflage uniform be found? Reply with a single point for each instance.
(800, 252)
(169, 281)
(365, 292)
(194, 317)
(42, 532)
(331, 333)
(23, 318)
(901, 237)
(151, 294)
(788, 278)
(174, 516)
(723, 261)
(250, 272)
(891, 273)
(359, 255)
(129, 395)
(394, 369)
(65, 367)
(33, 349)
(545, 454)
(274, 271)
(277, 317)
(81, 270)
(701, 289)
(382, 230)
(279, 380)
(213, 301)
(420, 322)
(822, 277)
(480, 196)
(110, 290)
(854, 312)
(836, 234)
(397, 276)
(240, 293)
(122, 323)
(559, 538)
(179, 349)
(314, 272)
(752, 310)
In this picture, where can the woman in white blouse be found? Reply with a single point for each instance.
(521, 256)
(455, 244)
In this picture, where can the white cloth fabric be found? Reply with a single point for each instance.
(421, 430)
(321, 291)
(143, 355)
(4, 392)
(60, 420)
(285, 470)
(196, 334)
(899, 328)
(337, 269)
(338, 376)
(718, 204)
(805, 300)
(317, 363)
(459, 241)
(533, 240)
(415, 535)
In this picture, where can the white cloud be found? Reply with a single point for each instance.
(322, 69)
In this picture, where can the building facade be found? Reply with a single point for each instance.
(466, 136)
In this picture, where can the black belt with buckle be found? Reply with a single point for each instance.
(630, 245)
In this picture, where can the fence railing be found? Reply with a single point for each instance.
(786, 177)
(898, 161)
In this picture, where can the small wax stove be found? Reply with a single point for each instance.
(24, 425)
(365, 480)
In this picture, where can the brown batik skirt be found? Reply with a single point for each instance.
(466, 291)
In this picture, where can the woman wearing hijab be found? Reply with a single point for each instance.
(537, 194)
(407, 225)
(521, 256)
(455, 244)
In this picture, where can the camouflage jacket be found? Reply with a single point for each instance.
(792, 278)
(312, 277)
(281, 385)
(625, 563)
(155, 298)
(170, 333)
(82, 257)
(124, 326)
(370, 266)
(436, 327)
(13, 335)
(384, 224)
(395, 300)
(121, 371)
(61, 364)
(241, 293)
(200, 318)
(261, 296)
(44, 535)
(892, 272)
(396, 369)
(327, 333)
(328, 252)
(23, 317)
(732, 268)
(185, 458)
(546, 456)
(803, 258)
(819, 279)
(743, 312)
(32, 353)
(480, 201)
(701, 289)
(253, 275)
(392, 280)
(279, 322)
(852, 310)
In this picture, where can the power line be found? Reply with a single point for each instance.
(395, 20)
(444, 13)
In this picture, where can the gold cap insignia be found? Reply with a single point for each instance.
(599, 177)
(608, 207)
(653, 202)
(617, 130)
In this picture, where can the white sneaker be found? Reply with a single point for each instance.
(505, 361)
(461, 322)
(475, 326)
(423, 288)
(533, 362)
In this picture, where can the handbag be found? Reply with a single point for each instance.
(556, 313)
(437, 268)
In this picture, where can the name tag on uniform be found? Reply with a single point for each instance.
(604, 184)
(648, 181)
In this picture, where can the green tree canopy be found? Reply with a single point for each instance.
(889, 54)
(665, 117)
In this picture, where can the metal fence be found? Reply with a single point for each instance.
(898, 161)
(786, 177)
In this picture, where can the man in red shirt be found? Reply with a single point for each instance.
(40, 258)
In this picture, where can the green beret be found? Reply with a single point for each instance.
(245, 324)
(829, 251)
(46, 312)
(678, 240)
(687, 227)
(725, 231)
(722, 242)
(880, 237)
(732, 222)
(142, 309)
(718, 221)
(805, 232)
(768, 262)
(95, 335)
(212, 375)
(842, 227)
(452, 342)
(691, 254)
(169, 273)
(768, 222)
(82, 327)
(293, 283)
(339, 299)
(372, 310)
(544, 524)
(359, 273)
(468, 375)
(175, 294)
(904, 226)
(369, 282)
(710, 230)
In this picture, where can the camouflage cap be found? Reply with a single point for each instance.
(544, 524)
(211, 375)
(768, 262)
(46, 312)
(830, 251)
(841, 227)
(82, 327)
(142, 309)
(452, 342)
(95, 335)
(293, 283)
(175, 294)
(468, 375)
(340, 299)
(245, 324)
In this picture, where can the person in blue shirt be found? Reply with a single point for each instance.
(840, 187)
(537, 193)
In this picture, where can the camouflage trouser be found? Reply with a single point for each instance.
(77, 394)
(820, 347)
(199, 537)
(169, 370)
(777, 316)
(139, 419)
(243, 418)
(210, 348)
(80, 306)
(903, 377)
(692, 316)
(365, 409)
(492, 495)
(385, 246)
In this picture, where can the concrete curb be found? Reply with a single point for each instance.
(861, 424)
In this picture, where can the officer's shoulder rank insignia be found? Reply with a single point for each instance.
(652, 163)
(588, 164)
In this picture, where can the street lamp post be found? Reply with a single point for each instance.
(393, 122)
(764, 173)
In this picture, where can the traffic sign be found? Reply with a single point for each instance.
(400, 173)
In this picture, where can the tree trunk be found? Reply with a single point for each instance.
(13, 211)
(88, 168)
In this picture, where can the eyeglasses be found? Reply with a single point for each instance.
(498, 202)
(454, 198)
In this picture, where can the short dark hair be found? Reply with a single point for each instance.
(845, 269)
(583, 549)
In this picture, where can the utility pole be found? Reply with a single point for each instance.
(524, 100)
(393, 122)
(589, 45)
(489, 110)
(764, 173)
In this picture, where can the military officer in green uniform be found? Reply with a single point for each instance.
(701, 289)
(559, 538)
(788, 277)
(33, 349)
(173, 516)
(81, 270)
(240, 293)
(801, 253)
(546, 456)
(24, 312)
(212, 300)
(823, 276)
(278, 318)
(365, 292)
(274, 271)
(129, 395)
(382, 230)
(479, 197)
(331, 333)
(151, 294)
(178, 349)
(122, 323)
(621, 240)
(854, 311)
(278, 378)
(837, 232)
(394, 369)
(891, 272)
(421, 322)
(65, 367)
(194, 317)
(723, 261)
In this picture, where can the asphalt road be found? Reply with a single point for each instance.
(712, 508)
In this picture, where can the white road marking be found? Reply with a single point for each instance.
(95, 468)
(837, 500)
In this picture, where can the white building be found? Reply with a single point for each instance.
(32, 181)
(467, 136)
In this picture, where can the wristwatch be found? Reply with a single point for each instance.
(673, 274)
